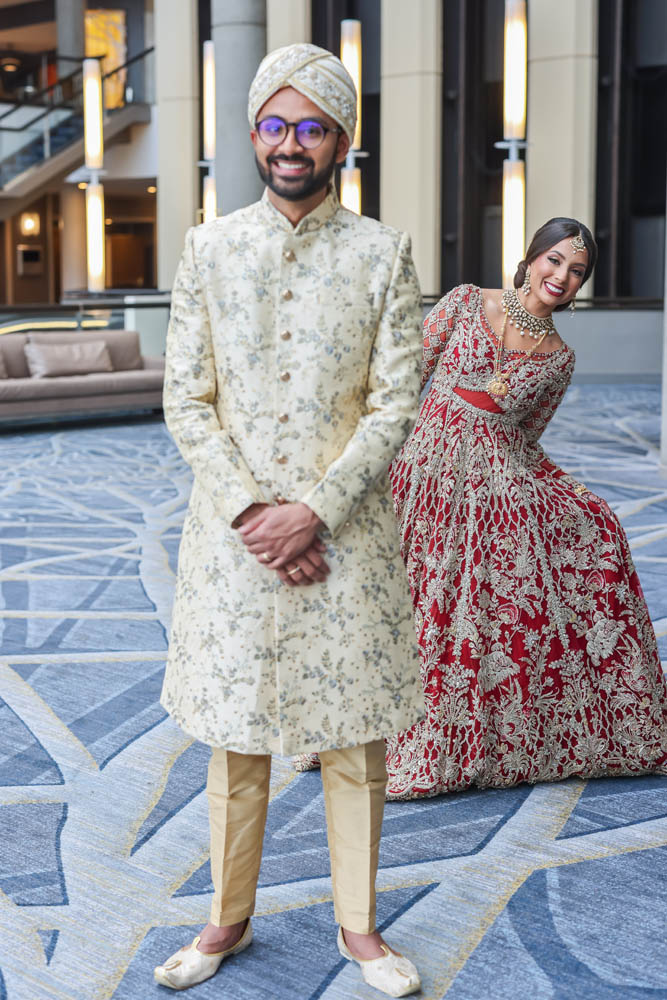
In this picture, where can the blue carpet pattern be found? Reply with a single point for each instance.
(552, 892)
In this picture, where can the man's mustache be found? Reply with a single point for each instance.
(291, 159)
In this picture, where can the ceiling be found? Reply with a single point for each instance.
(31, 38)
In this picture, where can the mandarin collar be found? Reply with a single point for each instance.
(314, 220)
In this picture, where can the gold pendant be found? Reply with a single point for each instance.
(498, 386)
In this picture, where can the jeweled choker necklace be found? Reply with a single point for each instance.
(524, 321)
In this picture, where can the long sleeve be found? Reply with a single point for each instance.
(438, 326)
(536, 422)
(391, 403)
(190, 390)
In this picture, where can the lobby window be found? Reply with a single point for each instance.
(631, 148)
(472, 169)
(326, 18)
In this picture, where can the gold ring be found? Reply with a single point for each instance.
(266, 557)
(291, 572)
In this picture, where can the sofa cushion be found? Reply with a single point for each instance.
(3, 370)
(69, 386)
(51, 360)
(123, 345)
(11, 345)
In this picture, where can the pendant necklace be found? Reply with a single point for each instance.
(498, 385)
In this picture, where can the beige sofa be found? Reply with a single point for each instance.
(121, 379)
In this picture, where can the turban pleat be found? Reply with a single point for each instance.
(314, 72)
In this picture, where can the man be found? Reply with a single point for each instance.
(292, 380)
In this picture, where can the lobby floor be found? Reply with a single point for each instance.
(551, 892)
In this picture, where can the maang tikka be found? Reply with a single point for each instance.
(577, 243)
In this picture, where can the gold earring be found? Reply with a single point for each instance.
(525, 288)
(573, 305)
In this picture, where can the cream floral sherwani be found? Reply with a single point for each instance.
(293, 360)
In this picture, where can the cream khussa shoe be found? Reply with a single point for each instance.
(189, 966)
(393, 974)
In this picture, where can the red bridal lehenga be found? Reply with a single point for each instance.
(539, 659)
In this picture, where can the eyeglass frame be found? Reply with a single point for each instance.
(335, 129)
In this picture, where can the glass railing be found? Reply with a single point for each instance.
(146, 312)
(36, 129)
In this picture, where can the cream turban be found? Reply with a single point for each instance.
(315, 73)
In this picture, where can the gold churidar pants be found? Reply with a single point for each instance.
(354, 782)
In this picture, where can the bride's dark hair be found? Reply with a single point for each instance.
(547, 236)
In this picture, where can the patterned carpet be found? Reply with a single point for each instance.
(554, 892)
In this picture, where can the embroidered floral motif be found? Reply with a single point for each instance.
(601, 639)
(254, 665)
(539, 659)
(312, 71)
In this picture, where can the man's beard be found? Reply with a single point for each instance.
(296, 190)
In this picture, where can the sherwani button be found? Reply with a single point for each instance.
(286, 335)
(281, 459)
(289, 256)
(283, 417)
(287, 295)
(285, 376)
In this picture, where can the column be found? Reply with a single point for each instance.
(238, 29)
(287, 22)
(73, 274)
(562, 112)
(663, 425)
(177, 104)
(70, 33)
(410, 133)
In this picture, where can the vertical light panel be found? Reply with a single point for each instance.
(208, 88)
(350, 55)
(93, 135)
(515, 70)
(350, 189)
(210, 200)
(514, 218)
(95, 237)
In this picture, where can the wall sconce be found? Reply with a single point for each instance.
(95, 237)
(350, 188)
(92, 114)
(350, 55)
(514, 218)
(93, 141)
(514, 135)
(29, 223)
(515, 70)
(209, 195)
(209, 200)
(209, 100)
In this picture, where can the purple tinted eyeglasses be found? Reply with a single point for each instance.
(309, 132)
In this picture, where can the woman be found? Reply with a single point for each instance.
(539, 660)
